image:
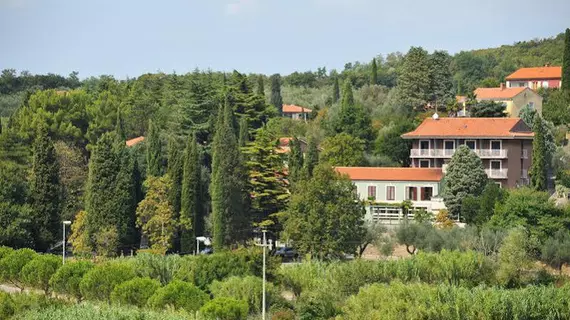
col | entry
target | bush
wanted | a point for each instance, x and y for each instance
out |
(4, 251)
(318, 304)
(67, 278)
(100, 281)
(180, 295)
(248, 289)
(284, 314)
(39, 271)
(161, 268)
(6, 306)
(11, 265)
(225, 309)
(136, 291)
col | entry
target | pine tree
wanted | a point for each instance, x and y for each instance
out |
(311, 159)
(441, 84)
(414, 79)
(229, 200)
(565, 85)
(175, 171)
(244, 102)
(336, 90)
(374, 74)
(153, 151)
(45, 190)
(260, 86)
(276, 99)
(120, 127)
(243, 138)
(538, 169)
(191, 214)
(295, 163)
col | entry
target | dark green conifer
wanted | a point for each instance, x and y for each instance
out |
(538, 169)
(276, 99)
(191, 214)
(374, 73)
(153, 151)
(565, 85)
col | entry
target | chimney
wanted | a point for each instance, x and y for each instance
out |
(502, 86)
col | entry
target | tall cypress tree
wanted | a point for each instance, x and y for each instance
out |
(191, 214)
(153, 151)
(374, 74)
(538, 169)
(175, 170)
(276, 98)
(311, 159)
(352, 118)
(295, 163)
(229, 200)
(260, 86)
(120, 126)
(46, 189)
(243, 138)
(336, 90)
(566, 62)
(125, 198)
(347, 95)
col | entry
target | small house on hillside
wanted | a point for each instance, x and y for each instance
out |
(514, 98)
(534, 78)
(296, 112)
(134, 141)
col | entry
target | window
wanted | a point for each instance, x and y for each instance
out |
(426, 193)
(371, 192)
(412, 193)
(496, 146)
(531, 105)
(545, 84)
(424, 147)
(424, 163)
(471, 144)
(449, 147)
(390, 193)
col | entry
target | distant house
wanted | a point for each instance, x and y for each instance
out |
(534, 78)
(284, 147)
(503, 144)
(385, 189)
(514, 98)
(296, 112)
(134, 141)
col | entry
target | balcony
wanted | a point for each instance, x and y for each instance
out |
(448, 153)
(497, 173)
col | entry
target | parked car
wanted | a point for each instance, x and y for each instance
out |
(287, 254)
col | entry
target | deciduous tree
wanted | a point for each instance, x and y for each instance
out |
(343, 150)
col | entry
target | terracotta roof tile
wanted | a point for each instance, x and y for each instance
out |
(536, 73)
(391, 174)
(471, 127)
(289, 108)
(134, 141)
(498, 93)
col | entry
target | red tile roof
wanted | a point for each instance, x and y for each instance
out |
(498, 93)
(134, 141)
(284, 145)
(505, 128)
(391, 174)
(536, 73)
(289, 108)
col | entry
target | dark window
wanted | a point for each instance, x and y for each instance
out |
(470, 144)
(412, 193)
(390, 193)
(427, 193)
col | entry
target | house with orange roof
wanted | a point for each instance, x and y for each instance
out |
(384, 189)
(296, 112)
(134, 141)
(534, 78)
(503, 144)
(514, 98)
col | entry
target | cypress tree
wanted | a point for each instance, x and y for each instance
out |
(336, 90)
(45, 190)
(566, 62)
(153, 151)
(374, 75)
(243, 138)
(276, 98)
(1, 126)
(538, 169)
(175, 171)
(295, 162)
(229, 209)
(312, 158)
(100, 191)
(260, 86)
(191, 214)
(347, 95)
(120, 127)
(125, 198)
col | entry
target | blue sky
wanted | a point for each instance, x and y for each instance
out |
(131, 37)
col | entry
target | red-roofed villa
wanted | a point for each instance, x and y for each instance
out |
(534, 78)
(296, 112)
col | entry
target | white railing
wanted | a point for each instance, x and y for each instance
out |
(448, 153)
(497, 173)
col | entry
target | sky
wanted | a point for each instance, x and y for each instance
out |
(127, 38)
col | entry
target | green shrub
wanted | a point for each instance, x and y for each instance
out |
(154, 266)
(6, 306)
(284, 314)
(248, 289)
(225, 309)
(180, 295)
(67, 278)
(136, 291)
(100, 281)
(11, 265)
(39, 271)
(5, 251)
(318, 304)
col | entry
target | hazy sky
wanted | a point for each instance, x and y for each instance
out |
(131, 37)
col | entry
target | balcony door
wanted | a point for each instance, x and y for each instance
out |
(448, 147)
(495, 168)
(424, 147)
(496, 146)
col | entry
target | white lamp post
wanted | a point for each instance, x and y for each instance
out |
(65, 223)
(205, 240)
(270, 246)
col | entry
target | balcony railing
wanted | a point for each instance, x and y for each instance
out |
(497, 173)
(448, 153)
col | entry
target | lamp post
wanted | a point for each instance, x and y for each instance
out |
(65, 223)
(264, 245)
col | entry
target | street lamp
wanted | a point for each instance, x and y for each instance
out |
(65, 223)
(201, 239)
(270, 246)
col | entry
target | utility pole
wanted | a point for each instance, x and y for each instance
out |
(63, 243)
(264, 245)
